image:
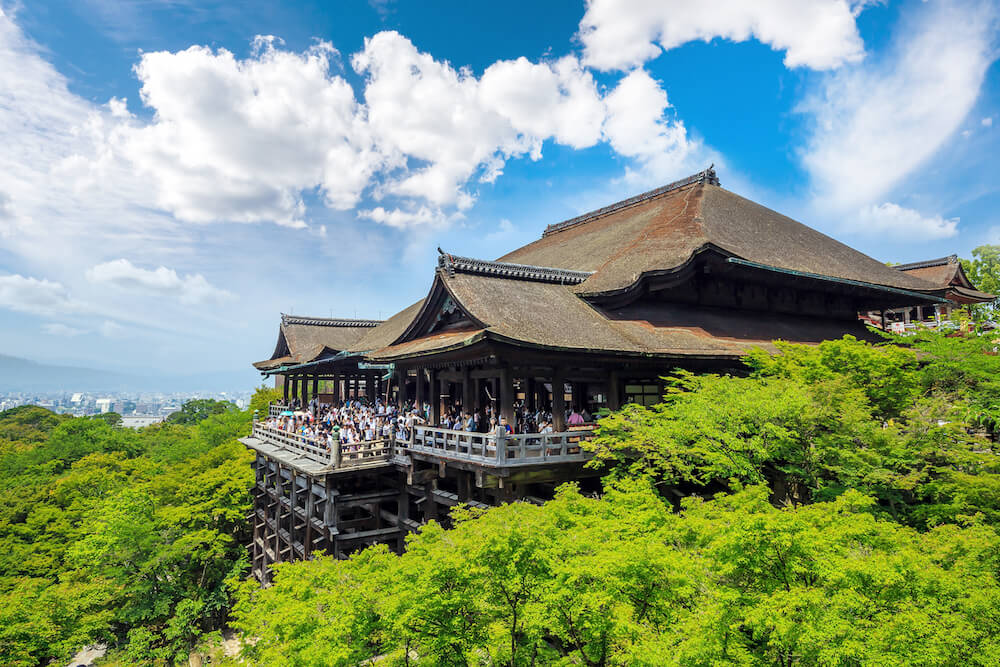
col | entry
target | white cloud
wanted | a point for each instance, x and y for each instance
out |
(31, 295)
(987, 122)
(111, 329)
(874, 125)
(189, 289)
(540, 100)
(504, 229)
(892, 220)
(820, 34)
(637, 127)
(61, 330)
(240, 140)
(402, 219)
(439, 127)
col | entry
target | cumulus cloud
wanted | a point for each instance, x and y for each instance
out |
(31, 295)
(987, 122)
(439, 127)
(61, 330)
(892, 220)
(240, 140)
(189, 289)
(637, 127)
(246, 140)
(874, 125)
(819, 34)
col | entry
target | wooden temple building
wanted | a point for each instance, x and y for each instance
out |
(952, 283)
(590, 315)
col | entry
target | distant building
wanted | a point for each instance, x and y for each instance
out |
(104, 404)
(139, 421)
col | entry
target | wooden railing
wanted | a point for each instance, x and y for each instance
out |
(339, 456)
(494, 449)
(275, 409)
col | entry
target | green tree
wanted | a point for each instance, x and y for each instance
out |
(984, 272)
(196, 410)
(624, 580)
(814, 422)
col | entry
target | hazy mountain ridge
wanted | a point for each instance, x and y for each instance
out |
(18, 374)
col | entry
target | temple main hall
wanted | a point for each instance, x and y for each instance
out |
(590, 316)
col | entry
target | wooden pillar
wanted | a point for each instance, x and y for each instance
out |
(506, 381)
(336, 388)
(315, 391)
(477, 401)
(284, 388)
(529, 394)
(305, 391)
(401, 398)
(435, 398)
(579, 396)
(421, 394)
(614, 391)
(467, 400)
(559, 399)
(906, 315)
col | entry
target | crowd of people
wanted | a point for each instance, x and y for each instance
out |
(352, 422)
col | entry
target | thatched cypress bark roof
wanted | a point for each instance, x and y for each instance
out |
(664, 228)
(303, 339)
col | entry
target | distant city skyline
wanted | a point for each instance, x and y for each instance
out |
(177, 174)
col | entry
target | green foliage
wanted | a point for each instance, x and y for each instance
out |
(625, 581)
(984, 272)
(818, 420)
(262, 398)
(112, 419)
(131, 537)
(198, 409)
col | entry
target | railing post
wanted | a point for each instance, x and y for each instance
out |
(335, 454)
(501, 440)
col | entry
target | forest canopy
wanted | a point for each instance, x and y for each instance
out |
(835, 504)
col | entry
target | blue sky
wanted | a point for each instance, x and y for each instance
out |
(177, 173)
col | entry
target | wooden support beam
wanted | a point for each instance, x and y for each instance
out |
(435, 398)
(559, 399)
(614, 391)
(420, 388)
(507, 395)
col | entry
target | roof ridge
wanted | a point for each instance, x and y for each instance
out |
(706, 176)
(927, 263)
(327, 321)
(548, 274)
